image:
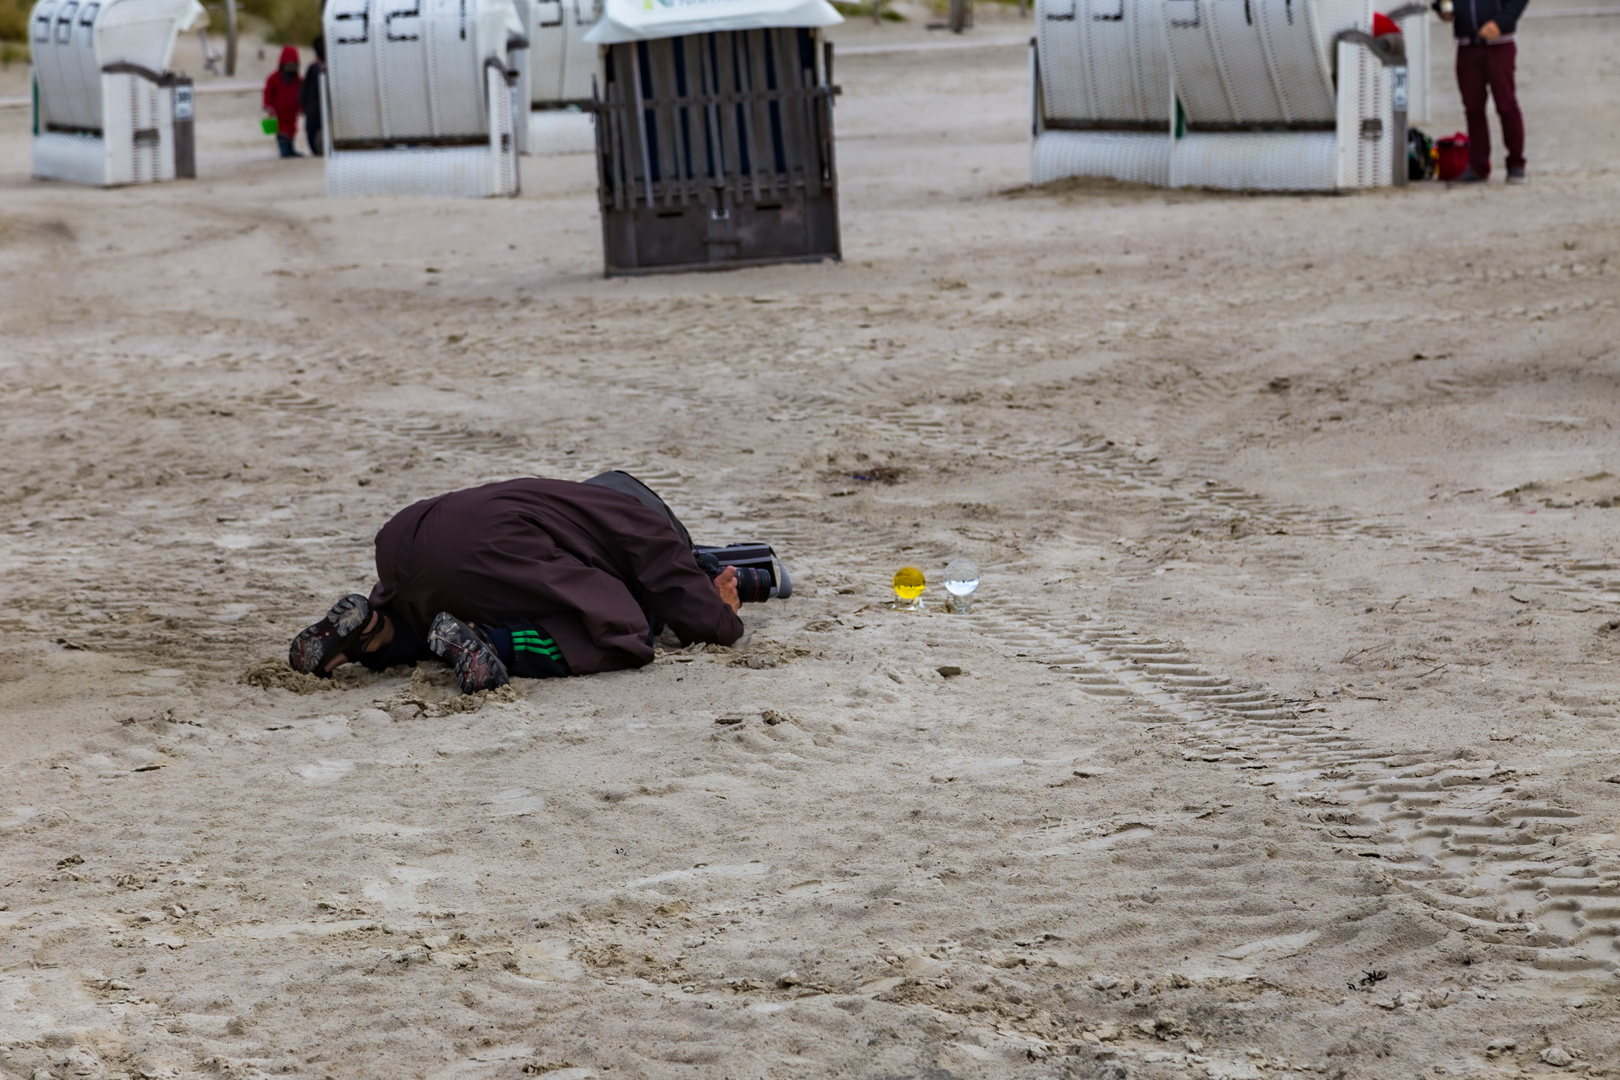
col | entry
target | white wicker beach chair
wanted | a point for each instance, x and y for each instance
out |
(1102, 91)
(562, 65)
(107, 109)
(422, 99)
(1281, 95)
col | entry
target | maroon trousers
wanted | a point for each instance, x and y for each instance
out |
(1482, 67)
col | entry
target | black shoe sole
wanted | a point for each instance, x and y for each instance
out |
(478, 666)
(337, 632)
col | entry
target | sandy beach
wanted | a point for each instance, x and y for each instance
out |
(1280, 741)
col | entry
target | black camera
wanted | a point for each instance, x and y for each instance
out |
(760, 574)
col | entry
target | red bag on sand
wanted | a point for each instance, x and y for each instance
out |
(1452, 156)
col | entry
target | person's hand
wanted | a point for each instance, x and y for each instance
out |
(726, 586)
(1490, 31)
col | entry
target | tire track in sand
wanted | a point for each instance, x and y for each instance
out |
(1486, 857)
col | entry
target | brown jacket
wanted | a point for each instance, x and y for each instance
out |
(592, 565)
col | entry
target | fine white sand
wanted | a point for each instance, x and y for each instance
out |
(1293, 665)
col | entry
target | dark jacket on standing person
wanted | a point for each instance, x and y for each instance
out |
(309, 95)
(598, 569)
(281, 93)
(1469, 15)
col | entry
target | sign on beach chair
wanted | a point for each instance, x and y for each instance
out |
(421, 97)
(1281, 95)
(107, 110)
(714, 135)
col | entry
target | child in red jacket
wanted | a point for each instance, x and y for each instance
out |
(281, 100)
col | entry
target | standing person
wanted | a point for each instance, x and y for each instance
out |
(310, 96)
(1486, 56)
(281, 100)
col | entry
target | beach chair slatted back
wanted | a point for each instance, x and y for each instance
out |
(716, 149)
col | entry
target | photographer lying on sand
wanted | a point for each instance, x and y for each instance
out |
(535, 579)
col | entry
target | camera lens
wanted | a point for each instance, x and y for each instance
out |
(753, 586)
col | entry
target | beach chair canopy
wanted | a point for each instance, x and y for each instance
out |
(646, 20)
(71, 41)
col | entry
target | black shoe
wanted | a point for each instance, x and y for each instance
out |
(1468, 176)
(1515, 176)
(478, 666)
(338, 633)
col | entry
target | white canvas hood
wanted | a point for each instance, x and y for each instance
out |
(643, 20)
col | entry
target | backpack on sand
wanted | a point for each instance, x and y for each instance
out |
(1419, 155)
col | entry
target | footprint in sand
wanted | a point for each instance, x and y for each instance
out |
(325, 772)
(698, 872)
(1243, 961)
(512, 802)
(401, 893)
(548, 961)
(329, 727)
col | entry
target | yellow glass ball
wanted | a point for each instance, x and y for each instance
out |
(909, 583)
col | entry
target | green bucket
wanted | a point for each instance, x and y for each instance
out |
(268, 125)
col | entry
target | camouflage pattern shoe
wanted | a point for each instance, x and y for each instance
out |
(478, 666)
(338, 633)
